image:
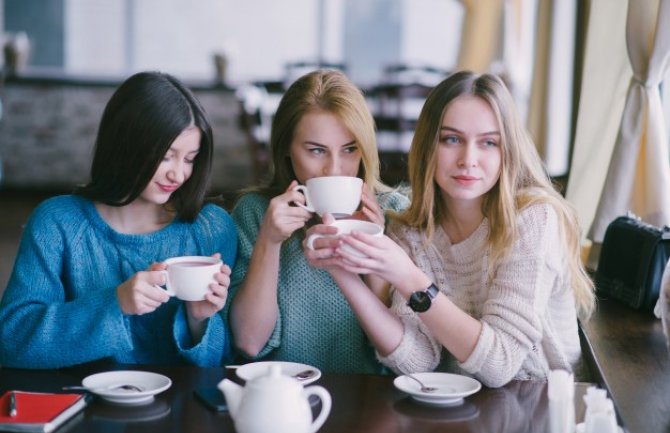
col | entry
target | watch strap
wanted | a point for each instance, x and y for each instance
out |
(421, 300)
(432, 291)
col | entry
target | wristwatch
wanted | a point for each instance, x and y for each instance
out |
(421, 300)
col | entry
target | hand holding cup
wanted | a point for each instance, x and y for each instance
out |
(188, 277)
(345, 227)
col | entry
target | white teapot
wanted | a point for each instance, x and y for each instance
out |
(274, 403)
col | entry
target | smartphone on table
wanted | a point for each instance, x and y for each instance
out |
(212, 397)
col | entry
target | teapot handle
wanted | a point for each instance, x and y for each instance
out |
(320, 392)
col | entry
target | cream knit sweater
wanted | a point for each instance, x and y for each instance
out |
(527, 312)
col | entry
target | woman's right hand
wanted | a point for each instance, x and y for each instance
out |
(282, 218)
(141, 293)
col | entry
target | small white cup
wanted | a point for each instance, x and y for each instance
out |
(345, 227)
(337, 195)
(188, 277)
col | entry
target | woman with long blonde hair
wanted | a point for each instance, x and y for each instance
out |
(484, 264)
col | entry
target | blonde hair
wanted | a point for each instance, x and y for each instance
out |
(522, 183)
(332, 92)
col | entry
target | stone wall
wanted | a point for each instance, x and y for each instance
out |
(48, 129)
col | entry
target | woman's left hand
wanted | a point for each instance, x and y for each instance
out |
(371, 210)
(214, 301)
(382, 257)
(197, 312)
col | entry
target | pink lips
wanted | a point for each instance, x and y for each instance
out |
(465, 180)
(168, 188)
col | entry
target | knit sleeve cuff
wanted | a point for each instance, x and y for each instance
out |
(417, 351)
(212, 350)
(479, 355)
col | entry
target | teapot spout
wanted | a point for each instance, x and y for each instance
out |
(233, 393)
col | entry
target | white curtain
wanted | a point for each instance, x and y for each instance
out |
(519, 17)
(638, 177)
(550, 113)
(605, 76)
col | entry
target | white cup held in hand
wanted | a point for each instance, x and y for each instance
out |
(337, 195)
(347, 226)
(188, 277)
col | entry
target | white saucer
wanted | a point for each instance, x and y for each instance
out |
(255, 369)
(580, 428)
(150, 383)
(451, 388)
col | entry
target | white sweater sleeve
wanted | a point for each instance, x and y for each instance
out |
(418, 351)
(517, 300)
(511, 315)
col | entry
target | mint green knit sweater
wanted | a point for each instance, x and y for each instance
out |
(315, 324)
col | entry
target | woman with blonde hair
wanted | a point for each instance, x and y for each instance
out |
(484, 264)
(283, 309)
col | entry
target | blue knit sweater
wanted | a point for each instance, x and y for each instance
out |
(316, 325)
(60, 306)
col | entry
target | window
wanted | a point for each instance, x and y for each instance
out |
(258, 37)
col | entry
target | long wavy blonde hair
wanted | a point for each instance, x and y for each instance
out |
(522, 183)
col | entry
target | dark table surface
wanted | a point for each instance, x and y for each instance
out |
(625, 348)
(630, 358)
(361, 403)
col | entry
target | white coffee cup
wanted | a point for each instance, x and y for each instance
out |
(337, 195)
(345, 227)
(188, 277)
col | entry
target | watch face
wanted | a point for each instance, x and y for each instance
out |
(419, 302)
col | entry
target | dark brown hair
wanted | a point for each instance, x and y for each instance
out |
(140, 122)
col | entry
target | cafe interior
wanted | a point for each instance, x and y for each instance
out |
(591, 79)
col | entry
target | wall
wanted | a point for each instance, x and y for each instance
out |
(48, 131)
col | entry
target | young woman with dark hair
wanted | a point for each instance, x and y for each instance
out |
(85, 284)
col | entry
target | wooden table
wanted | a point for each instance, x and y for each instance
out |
(629, 357)
(361, 404)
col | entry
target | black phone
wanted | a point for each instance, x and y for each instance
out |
(212, 397)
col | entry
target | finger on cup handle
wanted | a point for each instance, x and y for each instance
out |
(157, 266)
(291, 185)
(327, 219)
(222, 279)
(156, 276)
(319, 233)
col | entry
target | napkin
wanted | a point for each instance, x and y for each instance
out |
(599, 417)
(561, 391)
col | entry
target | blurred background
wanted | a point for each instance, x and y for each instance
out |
(587, 76)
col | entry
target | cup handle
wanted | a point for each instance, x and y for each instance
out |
(303, 189)
(326, 403)
(311, 239)
(168, 286)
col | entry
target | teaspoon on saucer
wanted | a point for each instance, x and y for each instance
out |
(122, 387)
(424, 388)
